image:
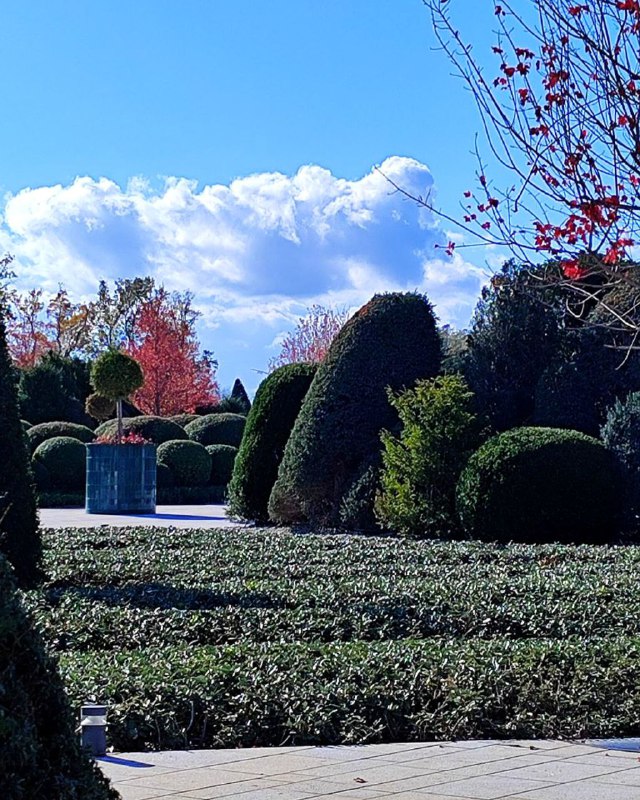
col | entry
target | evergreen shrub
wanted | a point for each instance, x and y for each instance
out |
(222, 428)
(116, 375)
(223, 457)
(41, 476)
(269, 424)
(65, 459)
(239, 394)
(38, 434)
(392, 341)
(164, 477)
(621, 434)
(540, 485)
(154, 429)
(183, 419)
(189, 462)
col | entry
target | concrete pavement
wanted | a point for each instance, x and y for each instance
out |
(182, 516)
(475, 770)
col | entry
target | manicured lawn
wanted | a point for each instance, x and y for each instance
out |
(255, 637)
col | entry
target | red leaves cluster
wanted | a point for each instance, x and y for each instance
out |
(127, 438)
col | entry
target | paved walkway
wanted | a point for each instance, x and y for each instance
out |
(195, 516)
(526, 770)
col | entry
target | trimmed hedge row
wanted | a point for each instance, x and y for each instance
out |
(37, 434)
(221, 428)
(154, 429)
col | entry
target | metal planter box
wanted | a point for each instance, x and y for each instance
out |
(121, 478)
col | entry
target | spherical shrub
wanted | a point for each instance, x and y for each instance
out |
(183, 419)
(269, 424)
(48, 430)
(223, 457)
(65, 459)
(154, 429)
(41, 476)
(99, 407)
(540, 485)
(189, 462)
(116, 375)
(164, 477)
(392, 341)
(217, 429)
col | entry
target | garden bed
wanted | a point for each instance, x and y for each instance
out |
(258, 637)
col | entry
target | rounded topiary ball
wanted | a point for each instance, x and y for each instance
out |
(183, 419)
(116, 375)
(153, 429)
(223, 457)
(189, 462)
(65, 459)
(217, 429)
(540, 485)
(49, 430)
(99, 407)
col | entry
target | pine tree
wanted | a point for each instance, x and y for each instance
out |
(239, 394)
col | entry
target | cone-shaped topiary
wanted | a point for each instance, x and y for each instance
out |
(540, 485)
(239, 394)
(392, 341)
(19, 532)
(99, 407)
(277, 404)
(40, 754)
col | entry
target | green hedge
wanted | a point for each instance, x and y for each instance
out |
(269, 424)
(183, 419)
(48, 430)
(155, 429)
(539, 485)
(189, 462)
(217, 429)
(390, 342)
(65, 459)
(223, 457)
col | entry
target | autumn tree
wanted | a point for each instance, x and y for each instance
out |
(310, 339)
(561, 114)
(177, 377)
(28, 330)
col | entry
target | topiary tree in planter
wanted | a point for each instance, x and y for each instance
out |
(116, 376)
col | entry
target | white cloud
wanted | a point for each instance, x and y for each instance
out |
(256, 253)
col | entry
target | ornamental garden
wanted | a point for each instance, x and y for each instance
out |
(441, 544)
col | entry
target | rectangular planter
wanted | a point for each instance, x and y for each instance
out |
(121, 478)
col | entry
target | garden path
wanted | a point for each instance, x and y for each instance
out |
(182, 516)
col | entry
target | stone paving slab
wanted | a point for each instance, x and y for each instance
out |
(182, 516)
(487, 770)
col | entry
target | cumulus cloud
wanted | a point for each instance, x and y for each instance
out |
(256, 253)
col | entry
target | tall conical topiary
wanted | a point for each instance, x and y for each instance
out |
(19, 531)
(40, 755)
(239, 394)
(392, 341)
(269, 424)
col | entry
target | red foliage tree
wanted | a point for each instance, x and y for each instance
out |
(177, 377)
(29, 334)
(311, 338)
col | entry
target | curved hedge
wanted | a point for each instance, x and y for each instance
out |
(217, 429)
(40, 754)
(540, 485)
(155, 429)
(48, 430)
(65, 459)
(189, 462)
(184, 419)
(223, 457)
(276, 405)
(392, 341)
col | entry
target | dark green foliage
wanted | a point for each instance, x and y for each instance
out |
(226, 405)
(275, 408)
(66, 461)
(54, 389)
(356, 511)
(540, 485)
(217, 429)
(164, 477)
(223, 457)
(48, 430)
(99, 407)
(116, 375)
(41, 476)
(515, 335)
(40, 755)
(621, 434)
(154, 429)
(440, 430)
(189, 462)
(19, 534)
(183, 419)
(239, 394)
(392, 341)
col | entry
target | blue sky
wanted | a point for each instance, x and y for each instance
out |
(227, 147)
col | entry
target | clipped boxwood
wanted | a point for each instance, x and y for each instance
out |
(184, 419)
(223, 457)
(48, 430)
(540, 485)
(217, 429)
(65, 459)
(164, 477)
(154, 429)
(392, 341)
(189, 462)
(277, 404)
(41, 476)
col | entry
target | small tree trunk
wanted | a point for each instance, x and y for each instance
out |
(120, 427)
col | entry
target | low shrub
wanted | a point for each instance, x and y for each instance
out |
(217, 429)
(189, 462)
(190, 495)
(154, 429)
(223, 457)
(65, 459)
(183, 419)
(540, 485)
(52, 499)
(164, 477)
(48, 430)
(41, 476)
